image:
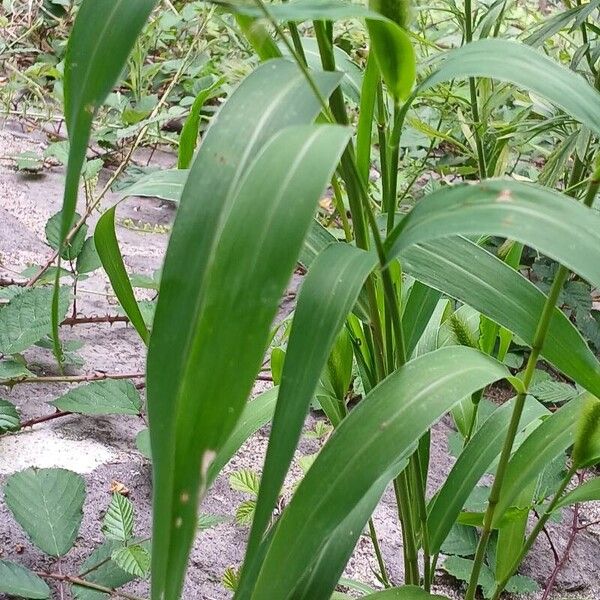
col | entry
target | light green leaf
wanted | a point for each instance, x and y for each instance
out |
(12, 369)
(72, 251)
(88, 259)
(525, 67)
(118, 520)
(142, 442)
(541, 447)
(108, 397)
(461, 568)
(133, 559)
(342, 270)
(471, 465)
(244, 513)
(27, 318)
(250, 161)
(107, 574)
(206, 521)
(109, 252)
(374, 437)
(47, 504)
(420, 305)
(166, 185)
(9, 417)
(16, 580)
(245, 480)
(586, 492)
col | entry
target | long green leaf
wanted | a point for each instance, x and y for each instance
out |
(375, 436)
(586, 492)
(102, 37)
(16, 580)
(109, 252)
(220, 287)
(525, 67)
(553, 437)
(166, 185)
(469, 273)
(471, 465)
(536, 216)
(342, 270)
(256, 413)
(420, 305)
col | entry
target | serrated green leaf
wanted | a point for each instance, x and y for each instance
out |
(28, 161)
(48, 505)
(230, 579)
(88, 259)
(244, 513)
(134, 560)
(142, 442)
(461, 541)
(9, 417)
(53, 237)
(206, 521)
(118, 520)
(107, 574)
(245, 480)
(16, 580)
(107, 397)
(12, 369)
(461, 568)
(27, 318)
(406, 592)
(552, 392)
(521, 584)
(166, 185)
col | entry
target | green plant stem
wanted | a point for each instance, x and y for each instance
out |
(411, 563)
(422, 511)
(538, 342)
(72, 378)
(394, 152)
(341, 209)
(473, 95)
(88, 585)
(537, 529)
(375, 541)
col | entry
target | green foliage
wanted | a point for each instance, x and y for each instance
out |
(118, 520)
(16, 580)
(374, 307)
(9, 417)
(108, 397)
(47, 504)
(26, 319)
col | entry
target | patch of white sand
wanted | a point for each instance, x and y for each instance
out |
(44, 448)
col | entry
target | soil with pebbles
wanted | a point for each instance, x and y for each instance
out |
(103, 450)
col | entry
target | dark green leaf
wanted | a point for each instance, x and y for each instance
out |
(9, 417)
(133, 559)
(27, 318)
(47, 504)
(72, 251)
(108, 397)
(16, 580)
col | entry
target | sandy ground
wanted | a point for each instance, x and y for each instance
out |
(103, 448)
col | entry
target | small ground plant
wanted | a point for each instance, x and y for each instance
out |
(416, 300)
